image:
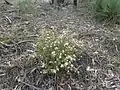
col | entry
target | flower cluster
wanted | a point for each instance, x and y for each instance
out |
(57, 51)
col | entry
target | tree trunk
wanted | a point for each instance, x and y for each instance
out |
(52, 1)
(75, 3)
(58, 2)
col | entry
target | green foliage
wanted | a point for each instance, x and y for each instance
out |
(107, 10)
(6, 39)
(58, 51)
(117, 62)
(26, 6)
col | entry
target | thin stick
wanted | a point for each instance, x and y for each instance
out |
(8, 19)
(30, 85)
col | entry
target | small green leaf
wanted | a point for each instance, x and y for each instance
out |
(5, 39)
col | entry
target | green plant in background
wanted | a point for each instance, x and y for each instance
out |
(4, 40)
(26, 6)
(107, 10)
(117, 62)
(57, 51)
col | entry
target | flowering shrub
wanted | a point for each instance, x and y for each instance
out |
(57, 51)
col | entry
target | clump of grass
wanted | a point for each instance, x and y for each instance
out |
(4, 40)
(57, 51)
(107, 10)
(116, 62)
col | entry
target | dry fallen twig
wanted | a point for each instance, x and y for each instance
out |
(9, 20)
(31, 86)
(3, 29)
(8, 3)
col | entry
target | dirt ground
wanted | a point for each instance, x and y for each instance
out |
(21, 70)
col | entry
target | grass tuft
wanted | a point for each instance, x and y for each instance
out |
(107, 10)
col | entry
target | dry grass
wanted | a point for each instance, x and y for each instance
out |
(21, 68)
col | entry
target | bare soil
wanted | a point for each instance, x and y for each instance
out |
(20, 69)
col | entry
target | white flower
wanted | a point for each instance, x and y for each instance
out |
(53, 70)
(56, 48)
(43, 65)
(48, 34)
(55, 42)
(63, 51)
(65, 64)
(70, 48)
(66, 44)
(71, 65)
(57, 68)
(73, 59)
(53, 53)
(61, 65)
(74, 55)
(48, 37)
(69, 57)
(60, 56)
(58, 42)
(44, 48)
(50, 62)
